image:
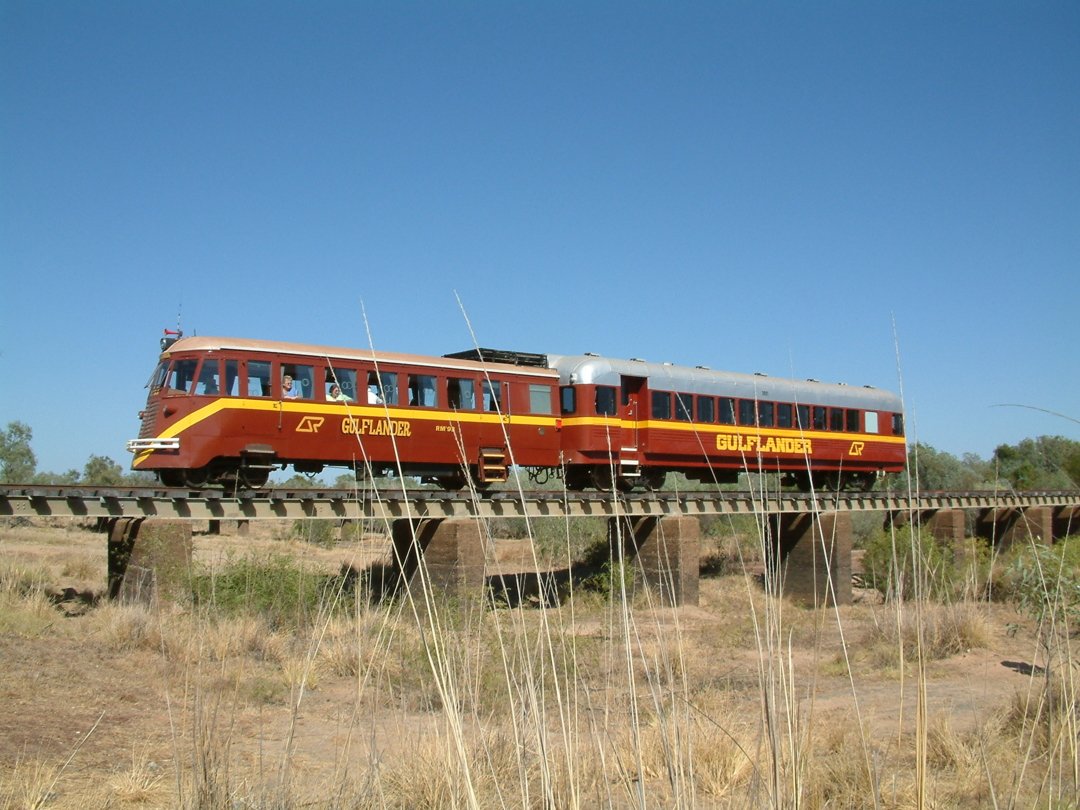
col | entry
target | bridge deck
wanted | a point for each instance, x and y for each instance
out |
(331, 504)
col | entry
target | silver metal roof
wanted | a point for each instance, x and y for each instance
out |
(595, 370)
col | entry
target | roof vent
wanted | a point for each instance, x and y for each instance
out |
(812, 379)
(591, 354)
(703, 368)
(637, 359)
(760, 374)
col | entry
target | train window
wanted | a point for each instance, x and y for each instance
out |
(605, 400)
(746, 412)
(209, 376)
(727, 411)
(422, 391)
(871, 422)
(766, 412)
(539, 398)
(303, 380)
(820, 422)
(851, 420)
(568, 399)
(803, 414)
(232, 378)
(258, 378)
(492, 392)
(382, 387)
(783, 414)
(706, 407)
(461, 394)
(898, 424)
(157, 379)
(684, 407)
(661, 405)
(345, 380)
(836, 418)
(182, 376)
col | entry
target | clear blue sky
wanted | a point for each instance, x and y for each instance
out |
(876, 193)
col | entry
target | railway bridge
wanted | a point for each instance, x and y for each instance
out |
(809, 535)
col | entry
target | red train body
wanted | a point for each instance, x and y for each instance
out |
(219, 411)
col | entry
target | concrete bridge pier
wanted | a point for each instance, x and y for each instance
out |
(1066, 521)
(1008, 525)
(949, 525)
(666, 551)
(810, 561)
(451, 551)
(148, 558)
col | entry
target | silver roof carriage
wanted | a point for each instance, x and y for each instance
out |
(595, 370)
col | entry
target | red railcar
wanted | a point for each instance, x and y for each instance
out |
(628, 422)
(229, 411)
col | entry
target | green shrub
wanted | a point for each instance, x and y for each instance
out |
(317, 532)
(1044, 581)
(907, 562)
(276, 587)
(612, 578)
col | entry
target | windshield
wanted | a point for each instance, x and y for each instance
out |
(182, 375)
(158, 377)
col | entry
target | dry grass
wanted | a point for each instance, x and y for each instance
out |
(742, 701)
(933, 632)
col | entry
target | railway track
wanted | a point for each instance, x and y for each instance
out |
(293, 503)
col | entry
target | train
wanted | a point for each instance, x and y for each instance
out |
(228, 412)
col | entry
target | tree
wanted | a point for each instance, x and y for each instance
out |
(1072, 465)
(103, 471)
(17, 460)
(933, 470)
(1047, 462)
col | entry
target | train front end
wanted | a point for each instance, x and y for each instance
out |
(160, 448)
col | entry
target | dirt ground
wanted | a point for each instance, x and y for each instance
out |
(107, 716)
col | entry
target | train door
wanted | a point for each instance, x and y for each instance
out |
(634, 395)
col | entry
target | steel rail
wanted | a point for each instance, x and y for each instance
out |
(389, 504)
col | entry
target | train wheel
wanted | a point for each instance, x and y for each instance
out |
(173, 479)
(863, 481)
(253, 479)
(828, 482)
(196, 479)
(452, 481)
(602, 479)
(653, 479)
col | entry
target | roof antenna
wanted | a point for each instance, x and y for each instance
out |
(170, 335)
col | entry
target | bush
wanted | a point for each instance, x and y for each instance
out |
(317, 532)
(1044, 581)
(278, 588)
(896, 562)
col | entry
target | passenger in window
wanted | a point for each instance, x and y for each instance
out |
(288, 389)
(373, 396)
(337, 395)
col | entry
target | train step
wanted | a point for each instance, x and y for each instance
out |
(492, 465)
